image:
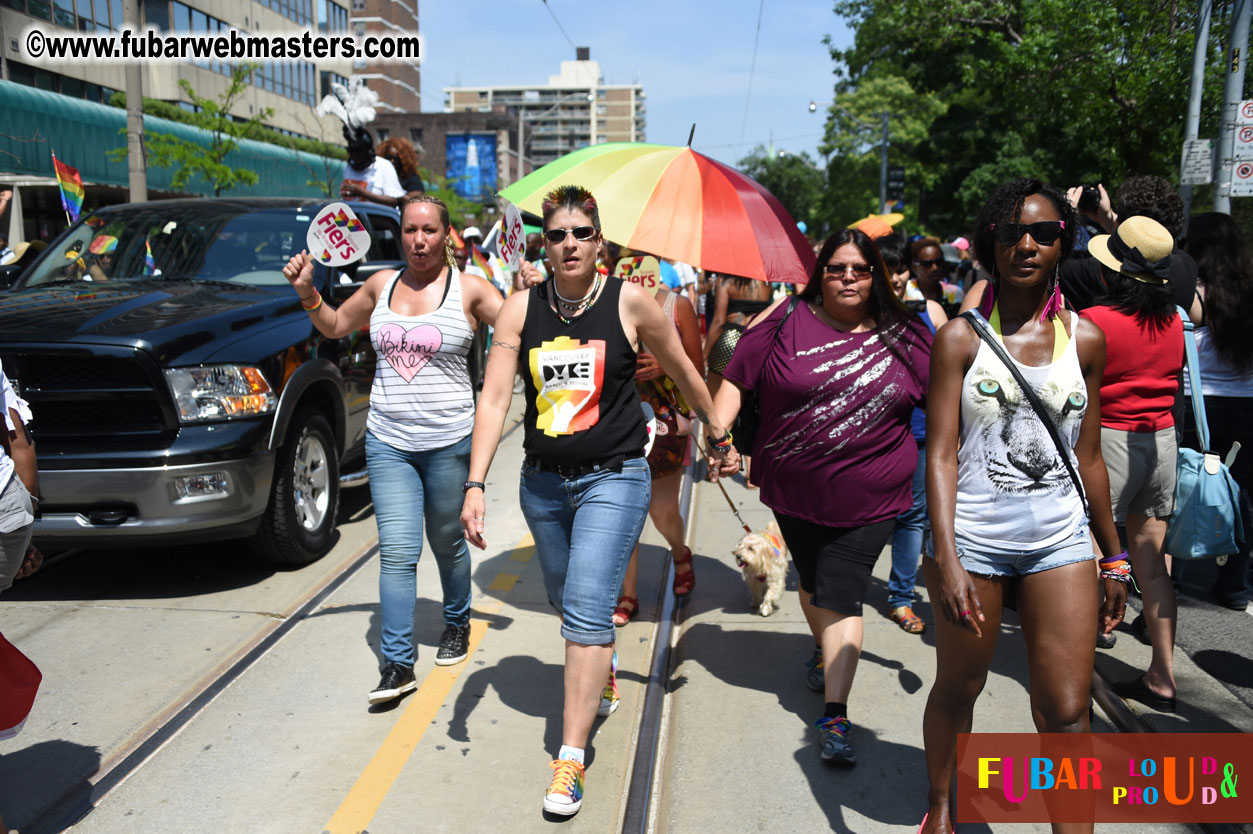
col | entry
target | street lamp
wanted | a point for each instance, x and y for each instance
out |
(524, 117)
(883, 162)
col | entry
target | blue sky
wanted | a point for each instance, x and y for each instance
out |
(692, 56)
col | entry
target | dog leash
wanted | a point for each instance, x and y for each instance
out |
(730, 503)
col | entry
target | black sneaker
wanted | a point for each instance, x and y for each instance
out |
(1106, 641)
(396, 681)
(454, 645)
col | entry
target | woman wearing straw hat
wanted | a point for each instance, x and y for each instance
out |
(1143, 358)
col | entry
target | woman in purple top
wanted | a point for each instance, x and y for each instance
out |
(837, 373)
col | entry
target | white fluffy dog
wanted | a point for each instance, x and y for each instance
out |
(762, 558)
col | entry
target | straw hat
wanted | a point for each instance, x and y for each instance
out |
(20, 250)
(1139, 248)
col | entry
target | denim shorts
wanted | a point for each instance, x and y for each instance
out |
(982, 561)
(585, 528)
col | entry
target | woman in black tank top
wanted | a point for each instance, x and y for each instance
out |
(736, 302)
(585, 486)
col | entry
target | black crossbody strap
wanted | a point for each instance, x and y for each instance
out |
(985, 333)
(791, 305)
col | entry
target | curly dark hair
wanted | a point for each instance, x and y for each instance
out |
(884, 307)
(1153, 197)
(400, 152)
(1153, 305)
(1005, 206)
(1225, 265)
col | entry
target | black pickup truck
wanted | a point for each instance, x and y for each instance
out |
(179, 391)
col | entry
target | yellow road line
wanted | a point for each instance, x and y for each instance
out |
(372, 786)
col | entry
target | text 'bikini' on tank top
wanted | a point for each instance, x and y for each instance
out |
(1013, 490)
(421, 397)
(581, 402)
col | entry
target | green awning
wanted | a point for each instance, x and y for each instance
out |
(82, 132)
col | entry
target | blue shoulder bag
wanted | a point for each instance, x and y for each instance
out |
(1206, 522)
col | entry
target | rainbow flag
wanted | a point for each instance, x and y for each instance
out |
(71, 188)
(150, 265)
(480, 260)
(457, 242)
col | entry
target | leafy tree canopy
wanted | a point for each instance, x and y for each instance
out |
(794, 179)
(979, 91)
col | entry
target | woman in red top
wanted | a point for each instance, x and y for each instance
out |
(1144, 355)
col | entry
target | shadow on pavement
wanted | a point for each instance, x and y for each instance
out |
(44, 777)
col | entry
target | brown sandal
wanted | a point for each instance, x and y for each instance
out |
(909, 622)
(622, 615)
(684, 582)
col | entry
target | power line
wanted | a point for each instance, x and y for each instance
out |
(559, 26)
(752, 68)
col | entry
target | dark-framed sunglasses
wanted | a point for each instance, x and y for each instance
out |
(931, 263)
(579, 232)
(1045, 233)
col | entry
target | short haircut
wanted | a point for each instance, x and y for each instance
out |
(571, 198)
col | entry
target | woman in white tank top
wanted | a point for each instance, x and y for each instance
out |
(421, 321)
(1003, 504)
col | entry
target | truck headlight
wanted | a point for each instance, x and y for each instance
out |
(219, 392)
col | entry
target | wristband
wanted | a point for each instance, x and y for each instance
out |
(316, 305)
(723, 442)
(1109, 560)
(469, 485)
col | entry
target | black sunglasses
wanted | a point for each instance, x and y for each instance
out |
(931, 263)
(579, 232)
(1045, 233)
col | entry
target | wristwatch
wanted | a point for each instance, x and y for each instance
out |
(468, 485)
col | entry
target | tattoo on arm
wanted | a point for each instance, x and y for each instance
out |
(704, 418)
(506, 346)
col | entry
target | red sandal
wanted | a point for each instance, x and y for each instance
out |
(622, 612)
(684, 582)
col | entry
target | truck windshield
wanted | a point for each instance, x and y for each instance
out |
(204, 242)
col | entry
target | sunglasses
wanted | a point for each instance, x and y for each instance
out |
(860, 271)
(579, 232)
(929, 264)
(1044, 233)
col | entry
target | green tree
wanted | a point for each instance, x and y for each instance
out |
(192, 160)
(1069, 91)
(792, 178)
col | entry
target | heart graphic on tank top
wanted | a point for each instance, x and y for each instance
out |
(408, 351)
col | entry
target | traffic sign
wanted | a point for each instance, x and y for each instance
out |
(1198, 161)
(1242, 179)
(1244, 113)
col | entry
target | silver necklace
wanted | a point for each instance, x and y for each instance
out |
(571, 302)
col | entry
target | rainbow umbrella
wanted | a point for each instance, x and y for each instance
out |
(679, 204)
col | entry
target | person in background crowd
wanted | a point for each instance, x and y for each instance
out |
(736, 301)
(1143, 358)
(1222, 311)
(1138, 196)
(418, 430)
(833, 454)
(585, 487)
(678, 277)
(404, 157)
(24, 254)
(1002, 500)
(5, 251)
(104, 252)
(931, 274)
(533, 254)
(366, 176)
(19, 502)
(670, 454)
(911, 525)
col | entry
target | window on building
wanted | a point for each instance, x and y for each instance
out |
(156, 13)
(383, 134)
(86, 20)
(39, 8)
(358, 5)
(20, 5)
(182, 17)
(415, 135)
(117, 17)
(63, 13)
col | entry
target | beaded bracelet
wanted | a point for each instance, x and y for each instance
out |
(309, 309)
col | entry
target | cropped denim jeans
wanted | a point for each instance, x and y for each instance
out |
(585, 528)
(410, 488)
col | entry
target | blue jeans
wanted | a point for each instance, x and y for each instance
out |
(585, 529)
(911, 526)
(409, 488)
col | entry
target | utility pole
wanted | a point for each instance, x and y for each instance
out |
(1200, 52)
(135, 115)
(883, 167)
(1233, 89)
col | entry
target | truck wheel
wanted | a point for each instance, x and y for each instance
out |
(299, 525)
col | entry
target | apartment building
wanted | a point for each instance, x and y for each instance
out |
(574, 109)
(398, 84)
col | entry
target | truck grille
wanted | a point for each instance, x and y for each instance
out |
(81, 396)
